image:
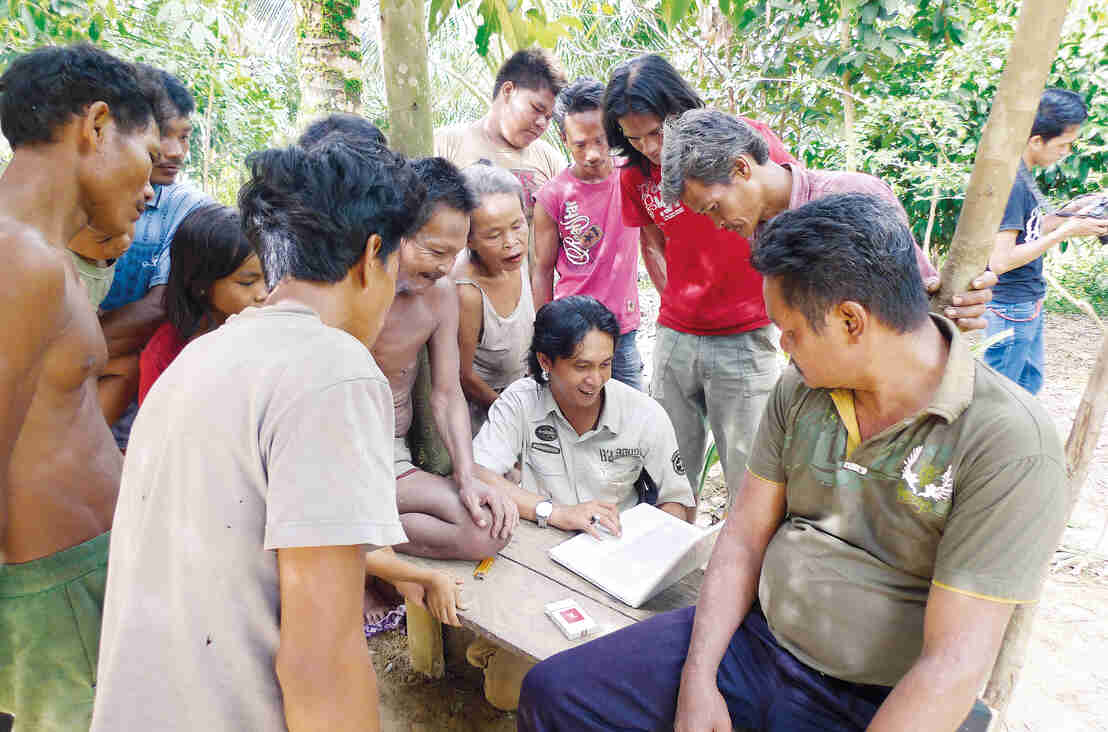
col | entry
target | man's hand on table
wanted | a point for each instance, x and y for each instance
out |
(968, 310)
(505, 514)
(440, 595)
(580, 518)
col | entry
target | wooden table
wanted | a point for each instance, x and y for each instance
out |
(507, 606)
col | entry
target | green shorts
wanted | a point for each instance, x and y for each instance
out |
(50, 612)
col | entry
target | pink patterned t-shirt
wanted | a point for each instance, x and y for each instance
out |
(598, 254)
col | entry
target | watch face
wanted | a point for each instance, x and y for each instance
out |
(544, 509)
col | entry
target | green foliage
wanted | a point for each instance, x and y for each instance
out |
(1085, 276)
(515, 23)
(353, 88)
(243, 96)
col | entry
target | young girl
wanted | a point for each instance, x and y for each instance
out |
(213, 275)
(496, 312)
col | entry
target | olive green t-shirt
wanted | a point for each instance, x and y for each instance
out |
(970, 494)
(96, 278)
(534, 165)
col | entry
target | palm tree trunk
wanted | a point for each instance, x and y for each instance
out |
(329, 48)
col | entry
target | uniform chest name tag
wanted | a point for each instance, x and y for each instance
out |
(855, 467)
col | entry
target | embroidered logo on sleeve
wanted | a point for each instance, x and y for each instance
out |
(678, 464)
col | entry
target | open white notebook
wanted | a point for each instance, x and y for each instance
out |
(655, 551)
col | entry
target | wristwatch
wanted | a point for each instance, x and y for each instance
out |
(542, 513)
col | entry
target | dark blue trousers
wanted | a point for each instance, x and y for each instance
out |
(628, 680)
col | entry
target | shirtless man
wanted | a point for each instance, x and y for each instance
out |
(463, 518)
(83, 148)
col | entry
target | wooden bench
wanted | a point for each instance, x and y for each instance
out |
(507, 606)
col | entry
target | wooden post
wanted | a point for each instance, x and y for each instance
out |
(1002, 143)
(425, 642)
(998, 154)
(1087, 424)
(1082, 442)
(407, 87)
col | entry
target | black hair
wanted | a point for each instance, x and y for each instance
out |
(179, 94)
(1058, 109)
(644, 85)
(151, 82)
(531, 68)
(561, 325)
(208, 245)
(44, 89)
(583, 95)
(445, 185)
(356, 130)
(844, 247)
(309, 213)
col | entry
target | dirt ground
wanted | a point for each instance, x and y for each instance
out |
(1064, 685)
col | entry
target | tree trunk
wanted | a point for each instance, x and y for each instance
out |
(1082, 442)
(931, 217)
(1002, 143)
(329, 49)
(1087, 424)
(998, 153)
(407, 87)
(848, 100)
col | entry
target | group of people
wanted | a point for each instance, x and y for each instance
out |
(892, 498)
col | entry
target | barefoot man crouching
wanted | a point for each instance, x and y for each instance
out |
(84, 139)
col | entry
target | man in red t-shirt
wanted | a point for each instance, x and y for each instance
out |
(715, 357)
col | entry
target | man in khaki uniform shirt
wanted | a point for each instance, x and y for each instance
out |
(510, 135)
(900, 500)
(632, 434)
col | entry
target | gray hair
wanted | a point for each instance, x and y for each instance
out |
(485, 179)
(703, 144)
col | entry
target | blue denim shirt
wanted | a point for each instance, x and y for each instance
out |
(145, 264)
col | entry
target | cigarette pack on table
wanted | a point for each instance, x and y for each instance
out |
(571, 618)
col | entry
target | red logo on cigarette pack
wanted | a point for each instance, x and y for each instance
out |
(572, 615)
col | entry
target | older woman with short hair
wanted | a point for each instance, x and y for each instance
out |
(496, 311)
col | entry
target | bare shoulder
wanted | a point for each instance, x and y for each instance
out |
(443, 297)
(34, 273)
(469, 298)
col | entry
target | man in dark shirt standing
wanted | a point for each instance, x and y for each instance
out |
(1027, 232)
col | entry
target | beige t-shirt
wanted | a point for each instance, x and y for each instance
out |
(273, 431)
(970, 495)
(534, 165)
(96, 278)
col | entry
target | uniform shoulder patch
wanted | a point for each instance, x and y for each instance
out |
(678, 464)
